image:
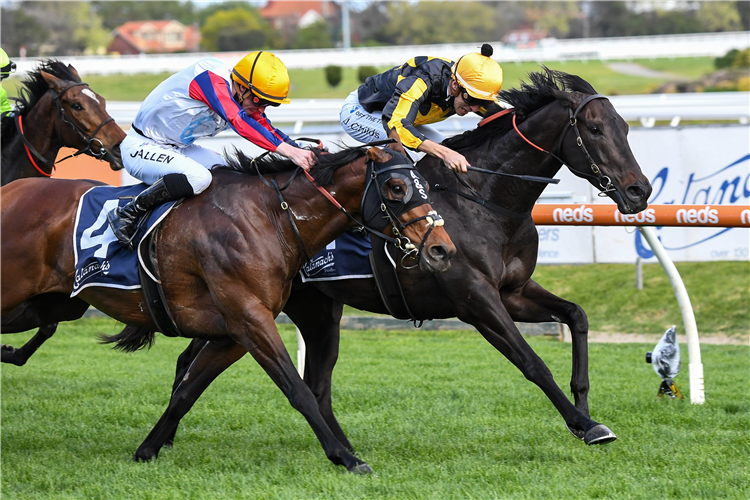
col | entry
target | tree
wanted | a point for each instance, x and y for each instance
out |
(69, 28)
(720, 16)
(238, 29)
(315, 36)
(89, 34)
(117, 13)
(437, 22)
(21, 29)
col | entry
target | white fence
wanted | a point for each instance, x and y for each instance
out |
(645, 47)
(321, 116)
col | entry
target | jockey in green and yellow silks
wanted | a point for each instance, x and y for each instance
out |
(6, 68)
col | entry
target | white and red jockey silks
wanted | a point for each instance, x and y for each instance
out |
(197, 102)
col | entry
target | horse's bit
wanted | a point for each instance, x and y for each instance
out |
(62, 116)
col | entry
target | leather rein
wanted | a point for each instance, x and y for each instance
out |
(62, 116)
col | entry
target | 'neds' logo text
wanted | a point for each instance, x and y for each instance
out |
(706, 215)
(580, 214)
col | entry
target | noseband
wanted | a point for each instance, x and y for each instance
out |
(62, 116)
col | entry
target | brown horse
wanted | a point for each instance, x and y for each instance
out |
(56, 109)
(557, 116)
(227, 257)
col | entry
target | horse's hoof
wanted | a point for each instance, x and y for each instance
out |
(599, 434)
(142, 457)
(576, 433)
(361, 469)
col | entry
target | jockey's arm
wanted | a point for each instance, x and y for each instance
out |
(453, 160)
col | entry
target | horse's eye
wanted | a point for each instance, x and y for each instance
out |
(76, 106)
(595, 130)
(398, 189)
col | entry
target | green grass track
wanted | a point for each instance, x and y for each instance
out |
(438, 415)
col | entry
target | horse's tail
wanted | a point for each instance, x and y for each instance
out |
(130, 339)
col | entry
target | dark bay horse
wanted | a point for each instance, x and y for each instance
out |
(55, 109)
(558, 117)
(227, 257)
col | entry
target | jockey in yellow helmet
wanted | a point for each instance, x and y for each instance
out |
(6, 68)
(401, 102)
(201, 101)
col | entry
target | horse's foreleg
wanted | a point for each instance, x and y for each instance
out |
(211, 360)
(257, 331)
(18, 357)
(481, 306)
(318, 318)
(533, 304)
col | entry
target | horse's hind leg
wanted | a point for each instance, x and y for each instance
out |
(318, 318)
(184, 360)
(481, 305)
(43, 311)
(256, 329)
(210, 361)
(18, 357)
(533, 304)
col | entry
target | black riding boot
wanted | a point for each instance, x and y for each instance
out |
(123, 219)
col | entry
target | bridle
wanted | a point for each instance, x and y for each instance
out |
(388, 209)
(62, 116)
(391, 209)
(604, 182)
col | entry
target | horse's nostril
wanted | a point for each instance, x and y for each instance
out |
(635, 193)
(439, 252)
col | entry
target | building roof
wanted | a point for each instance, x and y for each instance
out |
(297, 9)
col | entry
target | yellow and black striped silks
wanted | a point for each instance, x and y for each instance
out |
(410, 95)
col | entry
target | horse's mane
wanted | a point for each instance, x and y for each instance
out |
(34, 86)
(271, 164)
(532, 96)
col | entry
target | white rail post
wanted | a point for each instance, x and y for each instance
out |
(695, 366)
(301, 351)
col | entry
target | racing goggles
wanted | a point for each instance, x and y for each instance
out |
(473, 101)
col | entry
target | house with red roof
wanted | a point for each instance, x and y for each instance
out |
(286, 17)
(154, 37)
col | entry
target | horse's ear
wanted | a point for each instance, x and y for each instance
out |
(54, 82)
(567, 99)
(378, 155)
(75, 72)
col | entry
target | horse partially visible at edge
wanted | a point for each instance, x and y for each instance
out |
(55, 109)
(555, 119)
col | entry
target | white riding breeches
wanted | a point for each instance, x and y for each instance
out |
(149, 161)
(366, 126)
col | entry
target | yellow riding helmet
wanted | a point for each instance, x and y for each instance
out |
(6, 65)
(479, 75)
(265, 75)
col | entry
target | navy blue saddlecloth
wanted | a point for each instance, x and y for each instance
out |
(101, 260)
(344, 258)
